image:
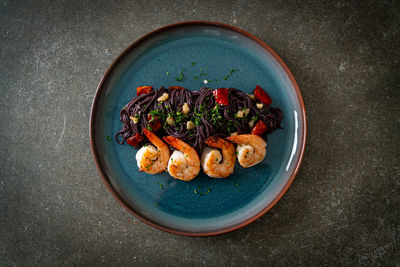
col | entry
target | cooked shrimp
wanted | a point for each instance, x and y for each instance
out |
(153, 159)
(251, 149)
(214, 164)
(184, 163)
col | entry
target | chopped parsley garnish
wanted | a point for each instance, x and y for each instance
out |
(201, 193)
(197, 117)
(156, 204)
(232, 71)
(108, 138)
(180, 76)
(226, 77)
(178, 116)
(167, 73)
(156, 113)
(193, 63)
(215, 115)
(161, 186)
(229, 126)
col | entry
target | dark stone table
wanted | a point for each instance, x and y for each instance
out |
(343, 207)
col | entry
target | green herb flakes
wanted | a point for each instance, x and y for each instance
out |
(180, 76)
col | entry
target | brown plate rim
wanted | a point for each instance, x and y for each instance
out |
(132, 46)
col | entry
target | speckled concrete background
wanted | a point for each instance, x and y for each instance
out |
(343, 207)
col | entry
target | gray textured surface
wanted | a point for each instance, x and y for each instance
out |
(343, 207)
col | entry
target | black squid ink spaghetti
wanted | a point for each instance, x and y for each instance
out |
(194, 116)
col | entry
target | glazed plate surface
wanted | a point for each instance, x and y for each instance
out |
(226, 57)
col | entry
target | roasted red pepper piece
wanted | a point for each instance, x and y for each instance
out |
(143, 90)
(175, 88)
(261, 95)
(135, 140)
(154, 123)
(221, 96)
(259, 128)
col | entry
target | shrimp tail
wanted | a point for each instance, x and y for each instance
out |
(215, 141)
(237, 139)
(182, 146)
(153, 138)
(172, 141)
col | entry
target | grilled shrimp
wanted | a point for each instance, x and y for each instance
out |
(251, 149)
(214, 164)
(184, 163)
(153, 159)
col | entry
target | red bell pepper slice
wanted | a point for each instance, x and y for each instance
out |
(154, 123)
(135, 140)
(221, 96)
(259, 128)
(141, 90)
(261, 95)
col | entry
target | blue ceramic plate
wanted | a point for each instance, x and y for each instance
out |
(203, 206)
